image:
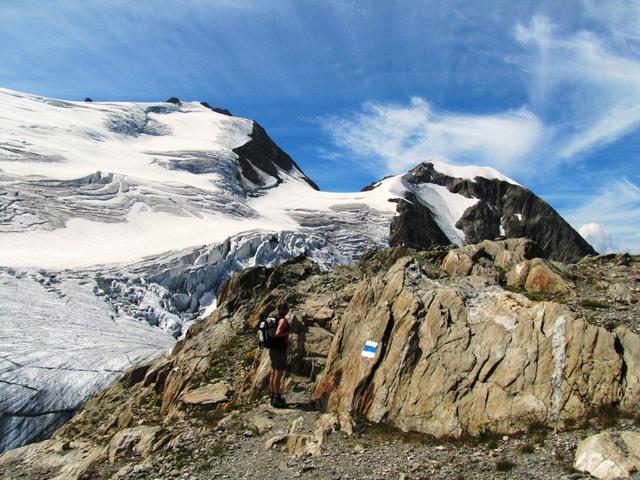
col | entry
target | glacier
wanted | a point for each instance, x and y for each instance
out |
(119, 222)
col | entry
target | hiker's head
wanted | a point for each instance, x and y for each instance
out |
(282, 309)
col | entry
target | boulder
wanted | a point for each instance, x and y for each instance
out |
(346, 423)
(629, 345)
(141, 440)
(208, 394)
(325, 425)
(69, 463)
(609, 455)
(457, 263)
(298, 444)
(268, 445)
(538, 275)
(317, 341)
(511, 260)
(259, 424)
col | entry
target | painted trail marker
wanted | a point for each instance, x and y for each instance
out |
(370, 348)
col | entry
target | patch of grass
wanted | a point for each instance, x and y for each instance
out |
(488, 436)
(512, 289)
(594, 304)
(219, 449)
(154, 401)
(248, 358)
(209, 415)
(504, 465)
(545, 297)
(527, 449)
(538, 428)
(385, 431)
(607, 416)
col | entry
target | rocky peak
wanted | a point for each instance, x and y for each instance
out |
(501, 208)
(262, 156)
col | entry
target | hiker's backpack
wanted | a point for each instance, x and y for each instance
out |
(267, 333)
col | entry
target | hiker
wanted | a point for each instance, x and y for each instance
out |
(278, 355)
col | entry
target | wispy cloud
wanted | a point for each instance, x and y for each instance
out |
(392, 138)
(581, 96)
(597, 90)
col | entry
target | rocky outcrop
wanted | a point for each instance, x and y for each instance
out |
(501, 204)
(414, 225)
(260, 157)
(514, 262)
(222, 111)
(457, 358)
(609, 455)
(208, 394)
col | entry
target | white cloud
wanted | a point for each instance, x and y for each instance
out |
(616, 210)
(395, 138)
(584, 85)
(598, 91)
(597, 237)
(620, 17)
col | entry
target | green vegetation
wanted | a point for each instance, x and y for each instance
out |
(248, 358)
(527, 448)
(545, 297)
(219, 449)
(504, 465)
(606, 416)
(537, 296)
(538, 428)
(594, 304)
(385, 432)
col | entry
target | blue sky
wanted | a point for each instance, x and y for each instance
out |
(547, 92)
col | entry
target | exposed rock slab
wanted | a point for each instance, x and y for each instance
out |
(206, 395)
(452, 361)
(609, 455)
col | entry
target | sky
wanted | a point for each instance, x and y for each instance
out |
(546, 92)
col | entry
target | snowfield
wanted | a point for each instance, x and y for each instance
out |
(119, 222)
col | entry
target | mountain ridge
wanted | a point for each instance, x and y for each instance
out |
(143, 211)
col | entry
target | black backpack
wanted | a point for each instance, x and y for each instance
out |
(267, 333)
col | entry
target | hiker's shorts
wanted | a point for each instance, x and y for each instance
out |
(278, 356)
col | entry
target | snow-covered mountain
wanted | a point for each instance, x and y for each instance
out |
(118, 218)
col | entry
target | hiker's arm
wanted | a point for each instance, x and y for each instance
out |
(283, 328)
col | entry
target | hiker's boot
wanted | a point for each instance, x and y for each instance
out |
(279, 402)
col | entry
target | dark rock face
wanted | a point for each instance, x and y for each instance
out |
(373, 185)
(222, 111)
(414, 226)
(174, 100)
(517, 209)
(261, 153)
(88, 99)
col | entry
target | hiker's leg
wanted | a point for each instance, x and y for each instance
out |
(277, 379)
(271, 378)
